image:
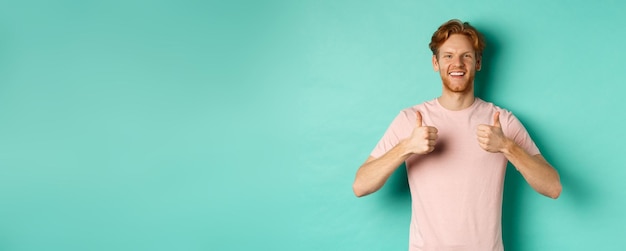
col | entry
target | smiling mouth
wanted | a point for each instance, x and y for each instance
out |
(457, 73)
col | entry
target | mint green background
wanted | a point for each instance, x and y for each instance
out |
(239, 125)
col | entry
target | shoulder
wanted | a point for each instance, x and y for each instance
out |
(425, 107)
(408, 115)
(511, 125)
(489, 106)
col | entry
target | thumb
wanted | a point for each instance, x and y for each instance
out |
(496, 120)
(419, 119)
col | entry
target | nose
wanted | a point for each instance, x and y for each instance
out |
(459, 62)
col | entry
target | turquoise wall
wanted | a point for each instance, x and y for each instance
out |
(238, 125)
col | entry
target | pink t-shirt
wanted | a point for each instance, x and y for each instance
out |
(456, 190)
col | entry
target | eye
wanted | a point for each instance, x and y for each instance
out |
(468, 55)
(447, 56)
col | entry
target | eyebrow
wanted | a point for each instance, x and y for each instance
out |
(452, 52)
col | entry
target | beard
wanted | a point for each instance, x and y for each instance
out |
(458, 86)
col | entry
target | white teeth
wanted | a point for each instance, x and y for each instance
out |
(457, 73)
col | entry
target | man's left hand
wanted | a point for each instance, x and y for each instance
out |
(491, 138)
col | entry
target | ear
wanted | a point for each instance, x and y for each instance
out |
(479, 61)
(435, 63)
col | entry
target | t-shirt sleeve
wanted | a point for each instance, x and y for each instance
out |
(518, 133)
(397, 131)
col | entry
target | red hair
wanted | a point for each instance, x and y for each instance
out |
(455, 26)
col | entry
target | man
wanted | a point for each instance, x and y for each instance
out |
(456, 149)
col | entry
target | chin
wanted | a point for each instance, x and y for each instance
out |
(457, 88)
(463, 87)
(464, 90)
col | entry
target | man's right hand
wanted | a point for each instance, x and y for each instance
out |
(373, 174)
(422, 139)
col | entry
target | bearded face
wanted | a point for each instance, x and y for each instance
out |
(457, 64)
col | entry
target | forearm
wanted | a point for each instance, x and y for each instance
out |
(536, 170)
(373, 174)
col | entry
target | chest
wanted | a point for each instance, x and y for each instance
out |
(457, 149)
(458, 133)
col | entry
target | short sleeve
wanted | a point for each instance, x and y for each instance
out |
(399, 129)
(516, 131)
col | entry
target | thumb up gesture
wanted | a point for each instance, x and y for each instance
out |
(423, 138)
(490, 137)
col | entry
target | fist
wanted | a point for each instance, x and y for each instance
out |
(490, 137)
(423, 138)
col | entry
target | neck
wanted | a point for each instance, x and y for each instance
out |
(456, 101)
